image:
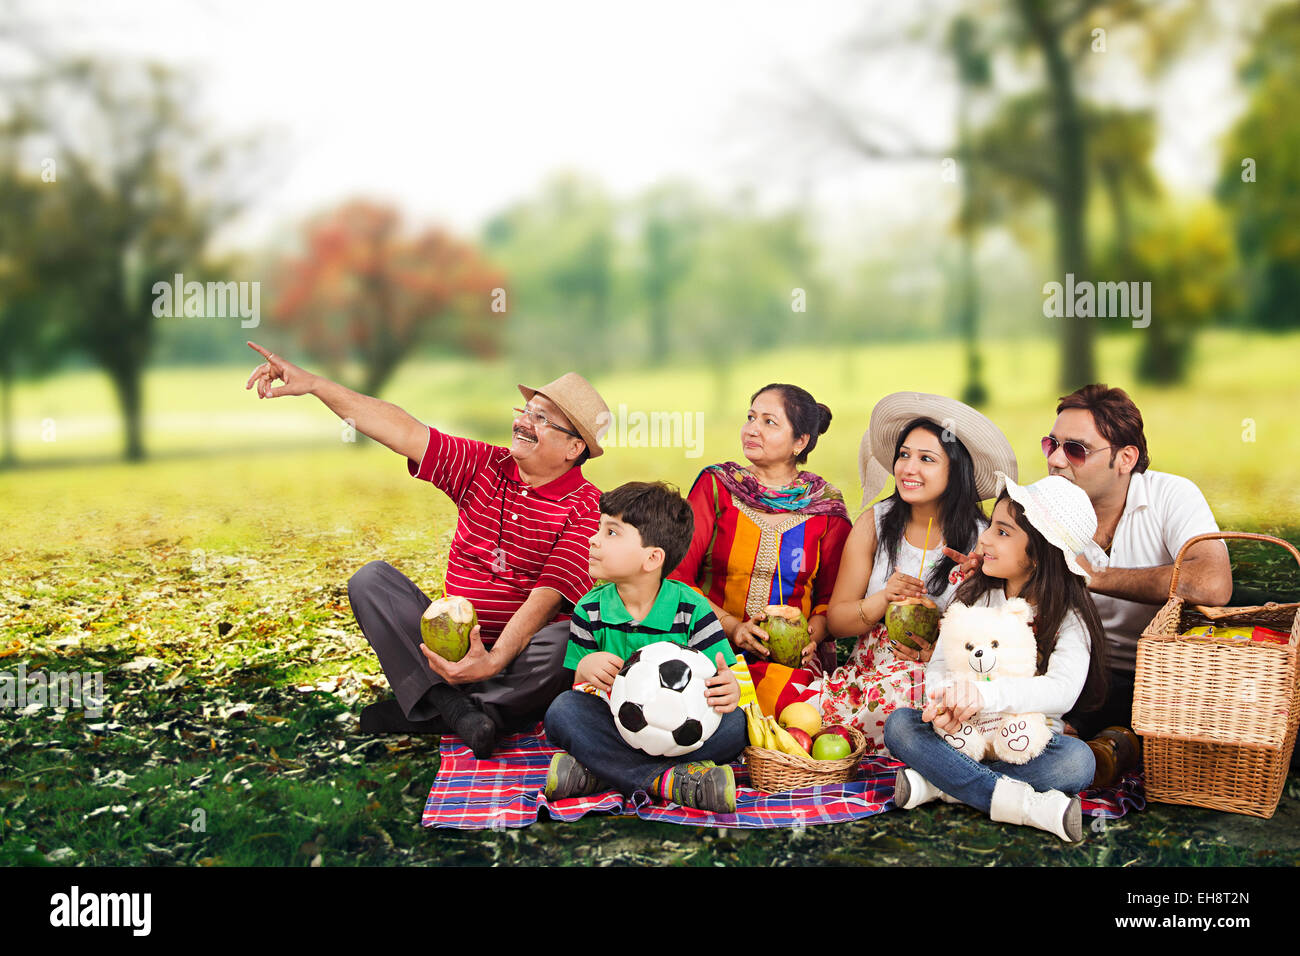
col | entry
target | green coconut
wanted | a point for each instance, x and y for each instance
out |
(913, 618)
(787, 634)
(446, 626)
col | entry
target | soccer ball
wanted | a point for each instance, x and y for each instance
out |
(658, 700)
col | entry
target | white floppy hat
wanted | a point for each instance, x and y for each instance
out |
(1063, 514)
(989, 449)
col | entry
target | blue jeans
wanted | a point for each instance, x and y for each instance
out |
(581, 724)
(1066, 765)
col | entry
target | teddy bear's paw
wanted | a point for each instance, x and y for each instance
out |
(960, 740)
(1021, 738)
(967, 740)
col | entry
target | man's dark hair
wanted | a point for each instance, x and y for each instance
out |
(659, 512)
(1116, 416)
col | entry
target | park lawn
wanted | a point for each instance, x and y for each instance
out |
(1230, 428)
(209, 587)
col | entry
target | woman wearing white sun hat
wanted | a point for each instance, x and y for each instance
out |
(1030, 550)
(944, 457)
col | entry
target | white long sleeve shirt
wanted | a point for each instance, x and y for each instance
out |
(1052, 694)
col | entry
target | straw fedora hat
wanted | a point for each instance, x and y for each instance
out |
(989, 449)
(581, 404)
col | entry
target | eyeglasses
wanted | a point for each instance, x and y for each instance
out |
(541, 421)
(1076, 452)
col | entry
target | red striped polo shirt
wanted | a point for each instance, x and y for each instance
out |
(510, 537)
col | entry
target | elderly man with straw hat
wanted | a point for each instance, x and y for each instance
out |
(525, 514)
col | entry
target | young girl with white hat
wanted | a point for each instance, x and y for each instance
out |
(1030, 550)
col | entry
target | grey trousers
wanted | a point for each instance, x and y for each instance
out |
(388, 606)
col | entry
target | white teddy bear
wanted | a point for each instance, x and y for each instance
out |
(989, 643)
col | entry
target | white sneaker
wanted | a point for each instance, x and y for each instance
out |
(912, 790)
(1015, 801)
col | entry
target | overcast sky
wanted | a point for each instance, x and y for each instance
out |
(455, 110)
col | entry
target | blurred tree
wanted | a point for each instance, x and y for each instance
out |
(1185, 250)
(974, 72)
(28, 342)
(136, 189)
(671, 225)
(1121, 144)
(561, 251)
(1260, 181)
(669, 274)
(362, 289)
(1058, 39)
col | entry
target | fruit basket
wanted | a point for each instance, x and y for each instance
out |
(773, 771)
(1218, 716)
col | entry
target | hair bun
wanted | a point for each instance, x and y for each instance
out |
(826, 419)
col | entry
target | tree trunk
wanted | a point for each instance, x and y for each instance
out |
(9, 456)
(127, 384)
(973, 392)
(1078, 365)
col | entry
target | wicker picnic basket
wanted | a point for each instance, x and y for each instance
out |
(773, 771)
(1218, 715)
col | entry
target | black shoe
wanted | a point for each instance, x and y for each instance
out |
(469, 723)
(386, 717)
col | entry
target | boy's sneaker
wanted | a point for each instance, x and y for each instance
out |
(568, 778)
(704, 786)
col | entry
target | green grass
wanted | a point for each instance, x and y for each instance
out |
(1238, 382)
(225, 560)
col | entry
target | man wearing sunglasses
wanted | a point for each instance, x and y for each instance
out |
(519, 554)
(1143, 518)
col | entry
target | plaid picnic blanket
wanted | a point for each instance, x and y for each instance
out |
(505, 793)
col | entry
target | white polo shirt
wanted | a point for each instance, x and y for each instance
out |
(1161, 513)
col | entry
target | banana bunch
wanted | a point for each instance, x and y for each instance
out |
(767, 734)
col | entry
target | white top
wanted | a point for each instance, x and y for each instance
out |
(909, 559)
(1161, 513)
(1052, 694)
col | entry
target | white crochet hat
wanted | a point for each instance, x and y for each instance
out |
(1063, 514)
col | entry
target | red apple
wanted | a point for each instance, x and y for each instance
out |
(801, 736)
(840, 731)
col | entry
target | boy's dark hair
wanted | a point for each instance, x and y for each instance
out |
(1055, 591)
(659, 512)
(1116, 416)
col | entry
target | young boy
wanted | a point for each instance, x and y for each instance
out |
(645, 529)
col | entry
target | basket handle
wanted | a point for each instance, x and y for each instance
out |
(1224, 535)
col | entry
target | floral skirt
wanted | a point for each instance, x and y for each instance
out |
(866, 690)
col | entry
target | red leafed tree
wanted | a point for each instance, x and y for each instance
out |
(365, 290)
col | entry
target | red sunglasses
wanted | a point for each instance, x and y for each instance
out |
(1075, 451)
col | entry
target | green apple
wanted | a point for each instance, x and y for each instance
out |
(830, 747)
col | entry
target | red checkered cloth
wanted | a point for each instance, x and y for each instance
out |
(505, 793)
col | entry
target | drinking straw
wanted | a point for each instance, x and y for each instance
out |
(925, 548)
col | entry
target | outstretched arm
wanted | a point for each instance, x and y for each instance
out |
(373, 417)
